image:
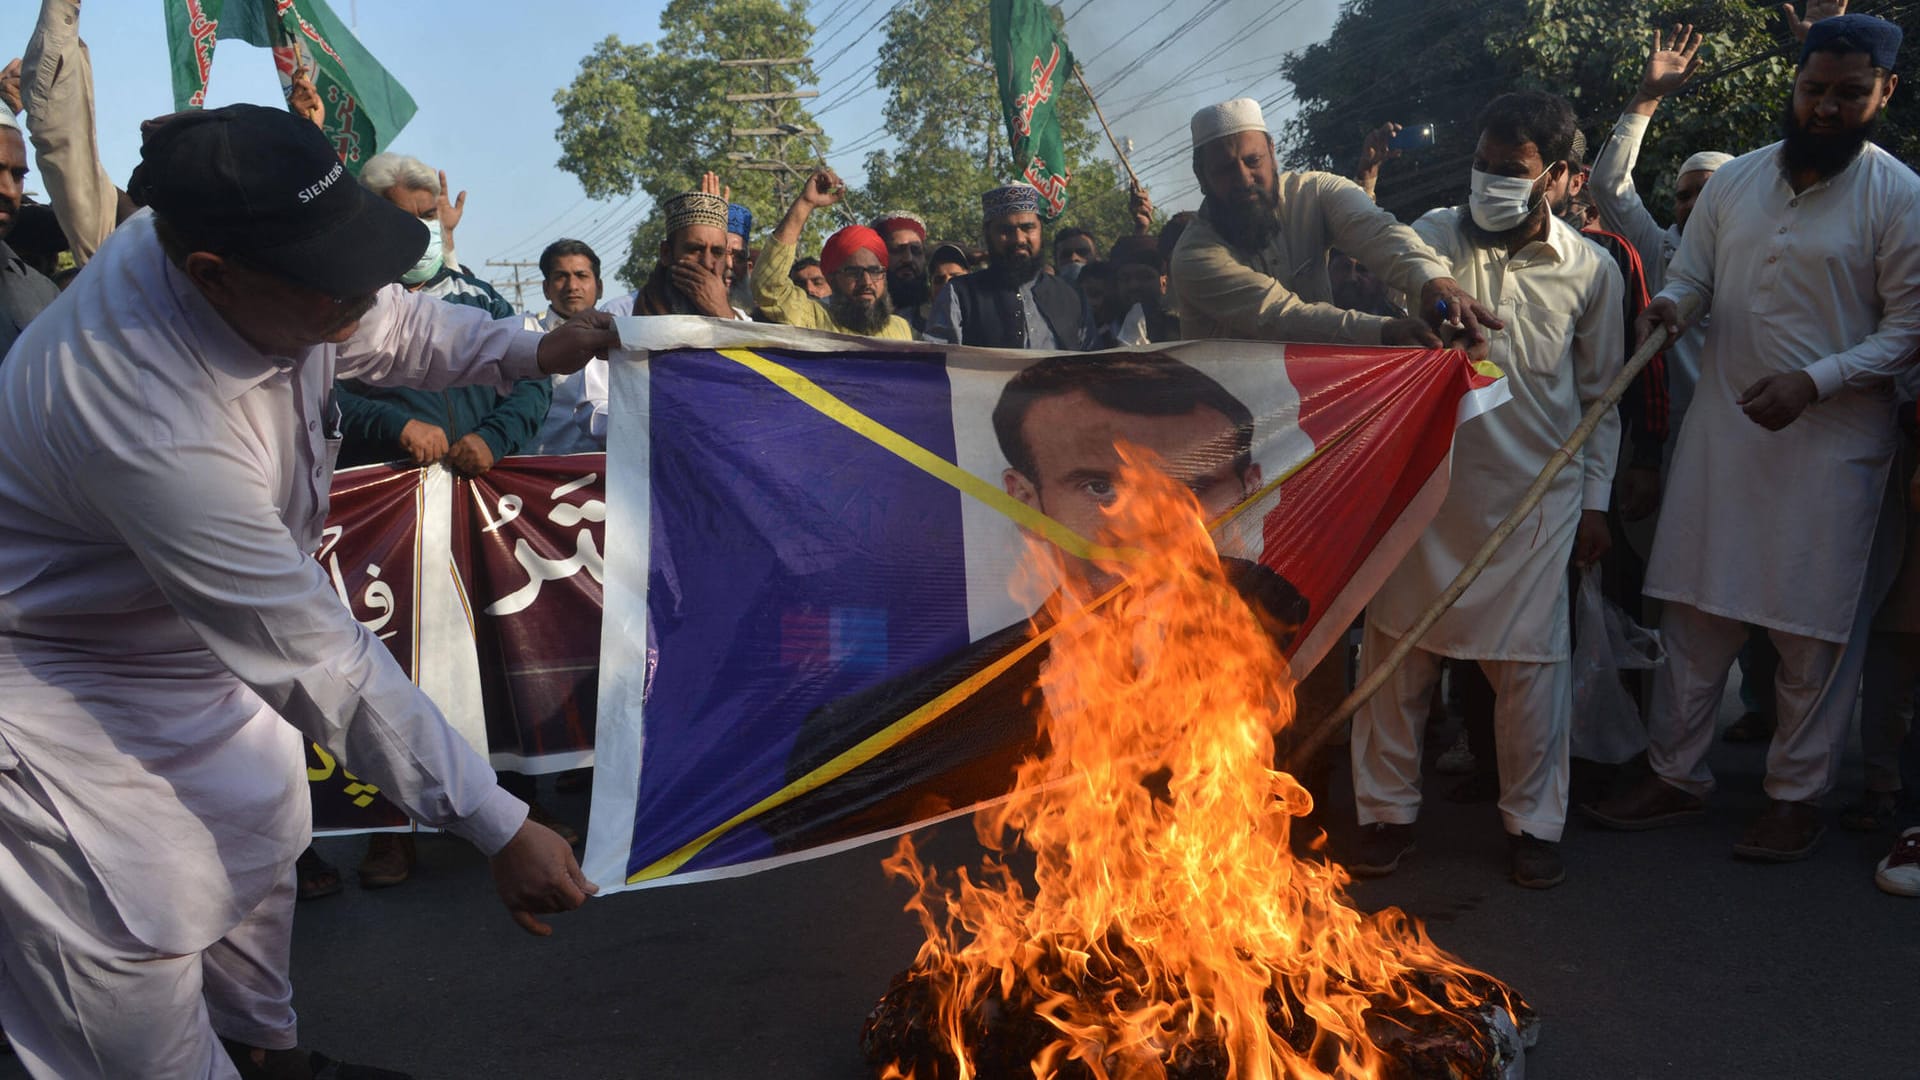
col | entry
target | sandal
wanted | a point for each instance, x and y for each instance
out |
(317, 877)
(1874, 812)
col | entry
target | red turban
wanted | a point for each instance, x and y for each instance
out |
(888, 224)
(847, 241)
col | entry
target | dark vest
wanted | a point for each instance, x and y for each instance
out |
(992, 316)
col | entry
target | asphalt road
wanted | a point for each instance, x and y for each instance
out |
(1660, 957)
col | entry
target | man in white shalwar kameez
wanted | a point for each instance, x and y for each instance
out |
(167, 642)
(1809, 251)
(1559, 296)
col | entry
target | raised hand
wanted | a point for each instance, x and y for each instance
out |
(1140, 207)
(1816, 10)
(1376, 150)
(10, 86)
(303, 98)
(1674, 60)
(450, 211)
(824, 188)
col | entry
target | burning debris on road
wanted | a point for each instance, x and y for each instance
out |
(1170, 932)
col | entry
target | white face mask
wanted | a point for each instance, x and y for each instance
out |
(430, 259)
(1499, 203)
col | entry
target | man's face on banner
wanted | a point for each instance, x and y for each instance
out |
(1073, 443)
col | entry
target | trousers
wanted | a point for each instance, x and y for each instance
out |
(1532, 721)
(82, 998)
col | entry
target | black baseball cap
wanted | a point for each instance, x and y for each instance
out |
(265, 186)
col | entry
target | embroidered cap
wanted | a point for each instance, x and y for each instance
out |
(1012, 199)
(695, 208)
(1227, 118)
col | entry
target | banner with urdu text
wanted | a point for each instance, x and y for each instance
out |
(487, 591)
(814, 630)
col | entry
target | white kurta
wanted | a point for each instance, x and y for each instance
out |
(576, 422)
(1622, 211)
(1774, 527)
(166, 639)
(1562, 346)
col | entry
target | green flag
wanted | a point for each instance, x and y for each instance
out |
(1031, 62)
(366, 107)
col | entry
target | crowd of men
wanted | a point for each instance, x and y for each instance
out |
(184, 357)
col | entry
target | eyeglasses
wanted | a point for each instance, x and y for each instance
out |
(855, 273)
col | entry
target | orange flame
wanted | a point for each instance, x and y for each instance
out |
(1169, 920)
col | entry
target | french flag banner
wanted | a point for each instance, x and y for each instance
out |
(818, 629)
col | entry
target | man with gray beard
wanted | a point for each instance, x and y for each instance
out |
(854, 260)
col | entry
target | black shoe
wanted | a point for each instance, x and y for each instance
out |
(1784, 832)
(1535, 862)
(1382, 846)
(301, 1065)
(1650, 804)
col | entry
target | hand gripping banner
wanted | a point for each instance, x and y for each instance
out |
(812, 637)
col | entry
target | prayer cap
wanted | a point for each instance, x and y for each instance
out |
(1012, 199)
(1227, 118)
(1704, 161)
(1878, 38)
(895, 220)
(695, 208)
(847, 241)
(740, 221)
(948, 253)
(7, 122)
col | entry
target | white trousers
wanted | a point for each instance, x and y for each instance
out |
(1814, 690)
(1532, 721)
(81, 997)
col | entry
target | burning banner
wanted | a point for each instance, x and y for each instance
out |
(816, 631)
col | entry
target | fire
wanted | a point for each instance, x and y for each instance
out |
(1170, 930)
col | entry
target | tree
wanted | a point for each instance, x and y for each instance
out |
(944, 112)
(1458, 54)
(654, 117)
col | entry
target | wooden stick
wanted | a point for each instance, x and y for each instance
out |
(1377, 678)
(1124, 163)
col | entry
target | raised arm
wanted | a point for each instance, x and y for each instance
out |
(773, 289)
(1674, 60)
(57, 88)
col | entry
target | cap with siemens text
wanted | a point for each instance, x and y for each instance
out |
(265, 186)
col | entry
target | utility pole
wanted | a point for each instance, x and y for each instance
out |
(773, 106)
(518, 284)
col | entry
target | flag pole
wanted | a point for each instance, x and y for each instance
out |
(1124, 163)
(1303, 752)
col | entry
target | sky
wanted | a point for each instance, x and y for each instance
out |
(484, 73)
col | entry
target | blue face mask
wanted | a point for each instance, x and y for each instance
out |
(430, 260)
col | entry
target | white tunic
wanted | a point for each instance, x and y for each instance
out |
(576, 422)
(161, 485)
(1563, 344)
(1773, 527)
(1621, 211)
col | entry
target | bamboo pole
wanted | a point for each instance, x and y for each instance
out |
(1124, 163)
(1560, 459)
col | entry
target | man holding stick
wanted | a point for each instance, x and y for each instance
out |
(1561, 347)
(1809, 251)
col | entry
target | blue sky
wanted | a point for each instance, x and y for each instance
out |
(484, 73)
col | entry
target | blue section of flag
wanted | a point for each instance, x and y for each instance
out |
(823, 564)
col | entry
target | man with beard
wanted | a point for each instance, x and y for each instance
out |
(1014, 303)
(1779, 477)
(907, 286)
(1254, 262)
(1562, 346)
(690, 278)
(24, 291)
(739, 270)
(854, 260)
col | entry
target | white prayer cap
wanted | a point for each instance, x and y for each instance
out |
(1227, 118)
(7, 122)
(1704, 161)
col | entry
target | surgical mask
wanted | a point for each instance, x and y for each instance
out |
(430, 259)
(1499, 203)
(1068, 273)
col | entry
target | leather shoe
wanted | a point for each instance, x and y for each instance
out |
(1650, 804)
(1785, 832)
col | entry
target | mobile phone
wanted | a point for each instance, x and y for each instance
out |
(1412, 137)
